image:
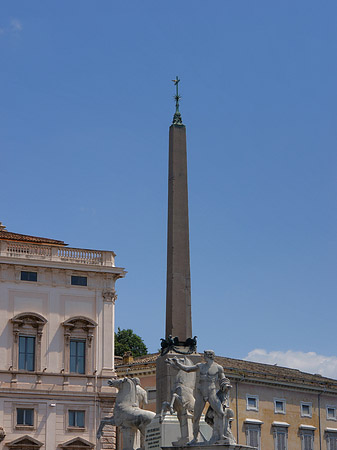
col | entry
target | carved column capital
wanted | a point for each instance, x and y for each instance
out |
(109, 295)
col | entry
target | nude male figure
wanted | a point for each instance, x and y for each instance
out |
(141, 393)
(210, 376)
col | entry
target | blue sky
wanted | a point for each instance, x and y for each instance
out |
(86, 102)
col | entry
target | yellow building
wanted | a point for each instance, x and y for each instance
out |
(275, 408)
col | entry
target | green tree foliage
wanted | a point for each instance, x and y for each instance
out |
(127, 340)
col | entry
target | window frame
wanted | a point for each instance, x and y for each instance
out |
(26, 406)
(284, 405)
(307, 432)
(330, 434)
(24, 413)
(310, 409)
(335, 414)
(29, 274)
(280, 430)
(26, 353)
(151, 394)
(79, 278)
(253, 427)
(76, 408)
(76, 413)
(79, 328)
(252, 408)
(77, 357)
(28, 324)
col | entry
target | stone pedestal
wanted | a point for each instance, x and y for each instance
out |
(159, 435)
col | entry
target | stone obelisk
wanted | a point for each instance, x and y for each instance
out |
(178, 285)
(178, 334)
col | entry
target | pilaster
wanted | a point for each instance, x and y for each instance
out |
(108, 336)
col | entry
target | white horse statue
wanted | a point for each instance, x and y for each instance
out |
(127, 413)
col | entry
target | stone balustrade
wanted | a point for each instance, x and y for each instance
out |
(54, 253)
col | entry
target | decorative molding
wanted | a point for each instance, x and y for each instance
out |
(280, 424)
(77, 443)
(109, 295)
(253, 421)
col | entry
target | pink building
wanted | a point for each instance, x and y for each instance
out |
(56, 342)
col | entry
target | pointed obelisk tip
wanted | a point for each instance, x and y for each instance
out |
(177, 120)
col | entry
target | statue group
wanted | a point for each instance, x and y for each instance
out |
(210, 385)
(194, 385)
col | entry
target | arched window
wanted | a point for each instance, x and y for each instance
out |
(27, 331)
(78, 338)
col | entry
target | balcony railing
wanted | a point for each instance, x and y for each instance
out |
(56, 253)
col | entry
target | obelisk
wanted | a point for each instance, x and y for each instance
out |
(178, 284)
(178, 335)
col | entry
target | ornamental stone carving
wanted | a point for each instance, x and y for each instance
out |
(109, 295)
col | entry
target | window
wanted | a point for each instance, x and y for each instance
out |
(77, 356)
(78, 350)
(151, 394)
(253, 435)
(331, 413)
(279, 406)
(331, 439)
(27, 336)
(76, 418)
(25, 417)
(28, 276)
(281, 438)
(78, 281)
(307, 440)
(306, 409)
(27, 353)
(252, 402)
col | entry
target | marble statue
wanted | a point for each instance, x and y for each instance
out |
(182, 401)
(141, 393)
(223, 395)
(210, 380)
(127, 413)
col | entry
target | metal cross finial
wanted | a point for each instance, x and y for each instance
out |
(177, 116)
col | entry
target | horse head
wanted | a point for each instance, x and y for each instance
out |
(127, 395)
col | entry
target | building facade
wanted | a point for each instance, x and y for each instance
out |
(275, 408)
(56, 343)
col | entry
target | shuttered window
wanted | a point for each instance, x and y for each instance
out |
(280, 439)
(332, 442)
(307, 441)
(253, 436)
